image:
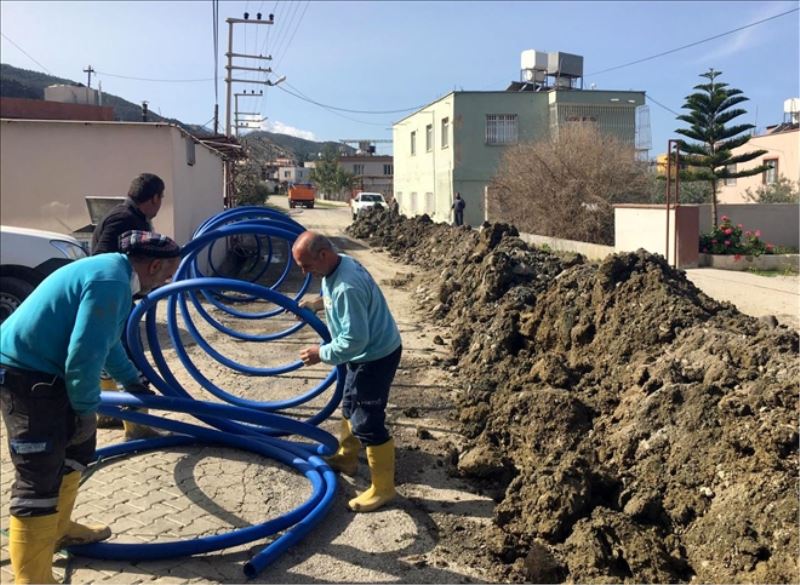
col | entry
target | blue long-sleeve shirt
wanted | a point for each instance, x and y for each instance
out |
(361, 325)
(70, 326)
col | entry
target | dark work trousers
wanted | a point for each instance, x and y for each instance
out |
(459, 218)
(39, 422)
(366, 392)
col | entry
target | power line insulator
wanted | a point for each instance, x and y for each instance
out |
(246, 15)
(272, 17)
(258, 16)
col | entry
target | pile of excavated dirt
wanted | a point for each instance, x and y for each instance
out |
(631, 428)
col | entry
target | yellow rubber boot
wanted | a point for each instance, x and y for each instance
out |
(30, 545)
(346, 458)
(135, 431)
(71, 533)
(381, 466)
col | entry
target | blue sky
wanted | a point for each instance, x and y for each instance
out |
(396, 55)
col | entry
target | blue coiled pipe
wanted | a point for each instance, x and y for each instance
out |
(246, 424)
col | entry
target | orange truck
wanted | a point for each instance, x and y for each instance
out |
(302, 194)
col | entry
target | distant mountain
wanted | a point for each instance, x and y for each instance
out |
(262, 146)
(266, 146)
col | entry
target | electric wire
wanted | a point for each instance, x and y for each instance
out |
(349, 110)
(25, 53)
(155, 80)
(215, 35)
(284, 31)
(297, 26)
(341, 115)
(670, 110)
(705, 40)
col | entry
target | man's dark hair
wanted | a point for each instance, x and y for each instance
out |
(145, 187)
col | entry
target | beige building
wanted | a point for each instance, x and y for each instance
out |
(371, 172)
(293, 174)
(48, 167)
(782, 143)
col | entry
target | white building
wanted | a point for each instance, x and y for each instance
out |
(49, 167)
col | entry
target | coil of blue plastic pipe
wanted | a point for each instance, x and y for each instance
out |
(258, 427)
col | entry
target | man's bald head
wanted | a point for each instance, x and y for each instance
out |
(314, 254)
(312, 242)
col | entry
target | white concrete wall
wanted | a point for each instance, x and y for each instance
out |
(779, 222)
(47, 167)
(591, 251)
(643, 227)
(198, 190)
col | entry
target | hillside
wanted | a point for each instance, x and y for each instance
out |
(265, 145)
(24, 83)
(262, 145)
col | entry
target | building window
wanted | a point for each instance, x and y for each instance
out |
(445, 132)
(428, 137)
(387, 169)
(501, 128)
(771, 174)
(414, 142)
(730, 180)
(358, 169)
(285, 174)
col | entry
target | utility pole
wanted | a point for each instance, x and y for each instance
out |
(89, 72)
(237, 113)
(229, 80)
(230, 67)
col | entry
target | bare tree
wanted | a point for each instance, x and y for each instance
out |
(565, 187)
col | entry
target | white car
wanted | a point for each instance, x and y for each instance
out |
(364, 200)
(27, 256)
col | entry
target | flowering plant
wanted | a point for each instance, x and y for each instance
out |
(728, 238)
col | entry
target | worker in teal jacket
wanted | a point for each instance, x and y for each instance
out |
(52, 349)
(365, 337)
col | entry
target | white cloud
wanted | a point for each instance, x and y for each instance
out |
(281, 128)
(731, 45)
(747, 38)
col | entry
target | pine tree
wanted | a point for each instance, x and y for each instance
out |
(711, 107)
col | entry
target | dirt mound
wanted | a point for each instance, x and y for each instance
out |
(632, 428)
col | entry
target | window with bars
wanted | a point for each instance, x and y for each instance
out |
(445, 132)
(501, 128)
(358, 169)
(771, 174)
(414, 142)
(428, 137)
(387, 169)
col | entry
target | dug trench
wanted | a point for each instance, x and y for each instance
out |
(628, 427)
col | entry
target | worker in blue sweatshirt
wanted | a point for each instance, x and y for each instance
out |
(365, 337)
(52, 349)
